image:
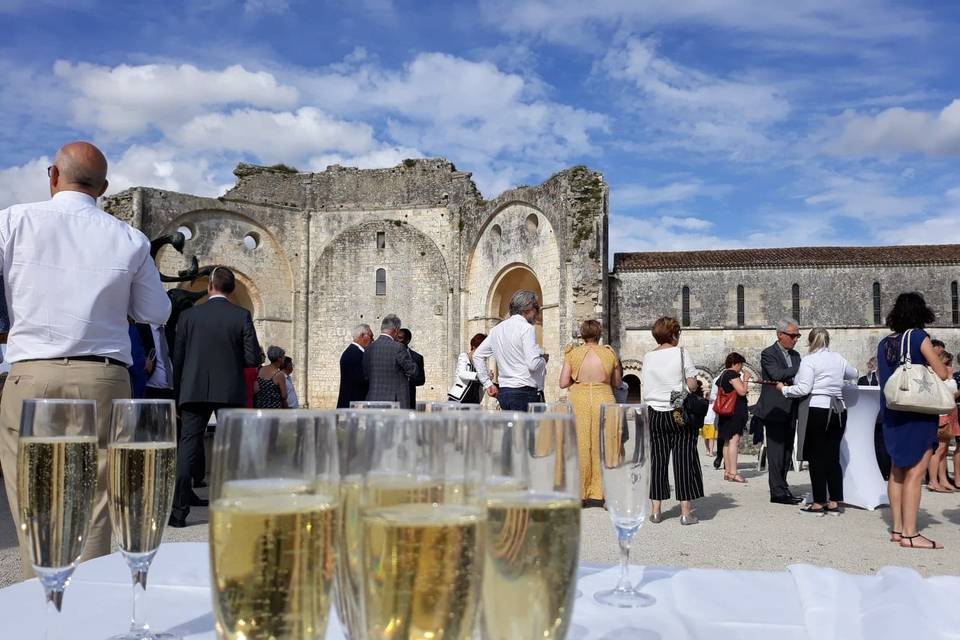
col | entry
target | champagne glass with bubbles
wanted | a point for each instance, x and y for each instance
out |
(422, 545)
(141, 471)
(273, 523)
(531, 492)
(550, 407)
(56, 487)
(374, 404)
(625, 464)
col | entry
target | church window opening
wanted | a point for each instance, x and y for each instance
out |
(381, 282)
(381, 240)
(795, 295)
(877, 307)
(741, 311)
(186, 231)
(533, 223)
(685, 306)
(251, 241)
(955, 302)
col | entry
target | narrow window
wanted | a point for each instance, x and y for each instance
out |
(381, 282)
(381, 240)
(741, 312)
(795, 294)
(955, 302)
(685, 310)
(877, 306)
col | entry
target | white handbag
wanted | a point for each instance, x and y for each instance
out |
(916, 388)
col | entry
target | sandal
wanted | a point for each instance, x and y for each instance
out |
(933, 545)
(810, 509)
(836, 509)
(895, 533)
(734, 478)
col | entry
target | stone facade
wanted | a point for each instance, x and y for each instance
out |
(309, 249)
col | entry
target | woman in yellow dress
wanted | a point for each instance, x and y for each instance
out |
(591, 372)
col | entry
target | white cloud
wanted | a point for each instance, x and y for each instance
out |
(866, 199)
(629, 234)
(376, 159)
(164, 167)
(273, 136)
(938, 229)
(25, 183)
(126, 100)
(265, 6)
(630, 195)
(900, 131)
(688, 223)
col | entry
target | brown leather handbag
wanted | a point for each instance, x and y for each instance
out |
(726, 402)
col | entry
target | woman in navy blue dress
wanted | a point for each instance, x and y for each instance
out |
(910, 437)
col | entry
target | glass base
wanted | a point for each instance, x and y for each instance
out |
(145, 635)
(624, 598)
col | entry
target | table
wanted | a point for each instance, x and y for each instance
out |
(801, 603)
(863, 484)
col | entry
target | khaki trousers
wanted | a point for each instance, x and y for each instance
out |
(70, 379)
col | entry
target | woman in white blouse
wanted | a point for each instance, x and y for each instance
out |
(466, 374)
(821, 377)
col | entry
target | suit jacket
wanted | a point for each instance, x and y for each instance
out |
(353, 384)
(418, 380)
(864, 381)
(773, 406)
(388, 368)
(216, 341)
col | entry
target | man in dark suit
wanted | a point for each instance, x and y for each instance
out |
(779, 363)
(404, 338)
(879, 445)
(388, 367)
(353, 384)
(215, 342)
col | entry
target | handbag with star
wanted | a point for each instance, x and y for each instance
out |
(916, 388)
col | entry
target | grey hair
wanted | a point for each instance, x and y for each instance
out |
(275, 353)
(818, 339)
(785, 323)
(390, 322)
(522, 301)
(361, 329)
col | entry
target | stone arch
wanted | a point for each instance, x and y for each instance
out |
(265, 278)
(520, 248)
(513, 278)
(635, 392)
(343, 294)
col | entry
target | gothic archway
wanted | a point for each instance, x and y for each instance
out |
(513, 278)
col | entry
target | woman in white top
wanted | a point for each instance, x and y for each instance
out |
(666, 370)
(467, 374)
(821, 377)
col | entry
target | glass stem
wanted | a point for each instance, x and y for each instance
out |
(139, 590)
(51, 628)
(624, 537)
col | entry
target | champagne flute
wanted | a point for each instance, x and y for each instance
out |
(436, 407)
(273, 523)
(625, 464)
(141, 471)
(374, 404)
(422, 551)
(549, 407)
(531, 491)
(56, 487)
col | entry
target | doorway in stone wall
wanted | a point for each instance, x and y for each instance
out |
(512, 279)
(240, 296)
(633, 384)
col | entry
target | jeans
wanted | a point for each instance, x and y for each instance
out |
(517, 398)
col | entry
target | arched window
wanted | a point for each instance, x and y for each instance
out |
(955, 302)
(741, 311)
(685, 306)
(877, 304)
(795, 296)
(381, 282)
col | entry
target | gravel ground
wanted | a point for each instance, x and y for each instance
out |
(738, 529)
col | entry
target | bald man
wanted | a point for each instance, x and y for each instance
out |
(72, 275)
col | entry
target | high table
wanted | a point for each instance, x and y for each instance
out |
(804, 602)
(863, 484)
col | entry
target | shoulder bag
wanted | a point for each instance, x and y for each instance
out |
(686, 407)
(916, 388)
(726, 403)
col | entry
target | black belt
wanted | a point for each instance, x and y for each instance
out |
(100, 359)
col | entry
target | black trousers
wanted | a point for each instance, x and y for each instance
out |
(199, 470)
(821, 448)
(880, 446)
(779, 436)
(666, 439)
(194, 417)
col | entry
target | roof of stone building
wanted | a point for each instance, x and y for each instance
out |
(788, 257)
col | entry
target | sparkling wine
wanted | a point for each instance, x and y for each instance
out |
(422, 571)
(273, 559)
(56, 488)
(142, 477)
(529, 581)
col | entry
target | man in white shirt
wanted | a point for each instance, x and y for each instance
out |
(293, 402)
(520, 360)
(72, 276)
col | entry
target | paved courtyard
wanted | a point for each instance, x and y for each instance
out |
(739, 529)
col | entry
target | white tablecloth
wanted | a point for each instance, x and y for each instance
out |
(803, 603)
(863, 485)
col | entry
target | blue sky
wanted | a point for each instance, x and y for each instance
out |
(717, 123)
